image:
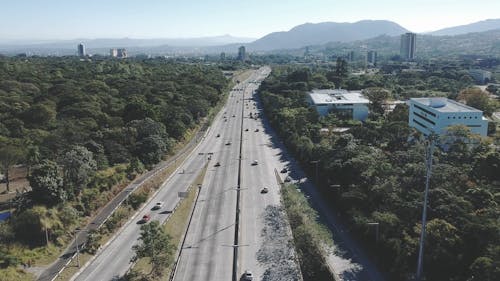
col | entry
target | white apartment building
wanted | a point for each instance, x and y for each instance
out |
(429, 115)
(353, 105)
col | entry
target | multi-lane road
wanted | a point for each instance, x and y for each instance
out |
(234, 226)
(217, 230)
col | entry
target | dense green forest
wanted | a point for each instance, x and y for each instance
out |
(83, 126)
(373, 173)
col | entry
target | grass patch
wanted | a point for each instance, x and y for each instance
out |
(242, 75)
(309, 235)
(11, 273)
(175, 226)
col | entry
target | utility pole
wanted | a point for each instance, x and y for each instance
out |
(77, 231)
(77, 249)
(428, 159)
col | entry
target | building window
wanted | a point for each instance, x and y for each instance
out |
(422, 125)
(425, 110)
(343, 113)
(425, 118)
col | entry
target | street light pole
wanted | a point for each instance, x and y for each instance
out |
(428, 159)
(77, 231)
(77, 249)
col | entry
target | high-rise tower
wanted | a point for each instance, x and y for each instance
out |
(81, 50)
(242, 55)
(408, 45)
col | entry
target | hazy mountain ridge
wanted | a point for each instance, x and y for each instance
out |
(320, 33)
(375, 34)
(128, 42)
(479, 26)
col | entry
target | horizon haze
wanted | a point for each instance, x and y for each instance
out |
(92, 19)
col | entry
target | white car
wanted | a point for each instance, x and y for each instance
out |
(255, 162)
(158, 205)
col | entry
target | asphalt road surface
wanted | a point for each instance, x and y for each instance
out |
(260, 160)
(208, 251)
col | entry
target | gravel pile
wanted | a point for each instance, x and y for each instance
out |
(276, 253)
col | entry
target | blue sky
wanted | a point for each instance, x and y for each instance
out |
(69, 19)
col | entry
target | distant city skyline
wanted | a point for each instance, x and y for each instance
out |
(69, 19)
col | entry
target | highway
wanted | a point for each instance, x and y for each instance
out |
(209, 246)
(212, 241)
(113, 260)
(266, 249)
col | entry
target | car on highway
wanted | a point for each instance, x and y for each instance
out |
(217, 164)
(158, 205)
(146, 218)
(247, 276)
(264, 190)
(284, 170)
(255, 163)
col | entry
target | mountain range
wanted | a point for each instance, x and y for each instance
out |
(320, 33)
(308, 34)
(479, 26)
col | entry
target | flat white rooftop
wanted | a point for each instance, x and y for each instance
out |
(329, 96)
(445, 105)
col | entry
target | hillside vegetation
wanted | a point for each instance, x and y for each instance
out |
(84, 129)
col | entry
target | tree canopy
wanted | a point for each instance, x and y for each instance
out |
(375, 172)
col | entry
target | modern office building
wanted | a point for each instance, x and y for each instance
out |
(371, 58)
(118, 53)
(350, 105)
(408, 46)
(434, 115)
(480, 76)
(350, 56)
(81, 50)
(242, 55)
(121, 53)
